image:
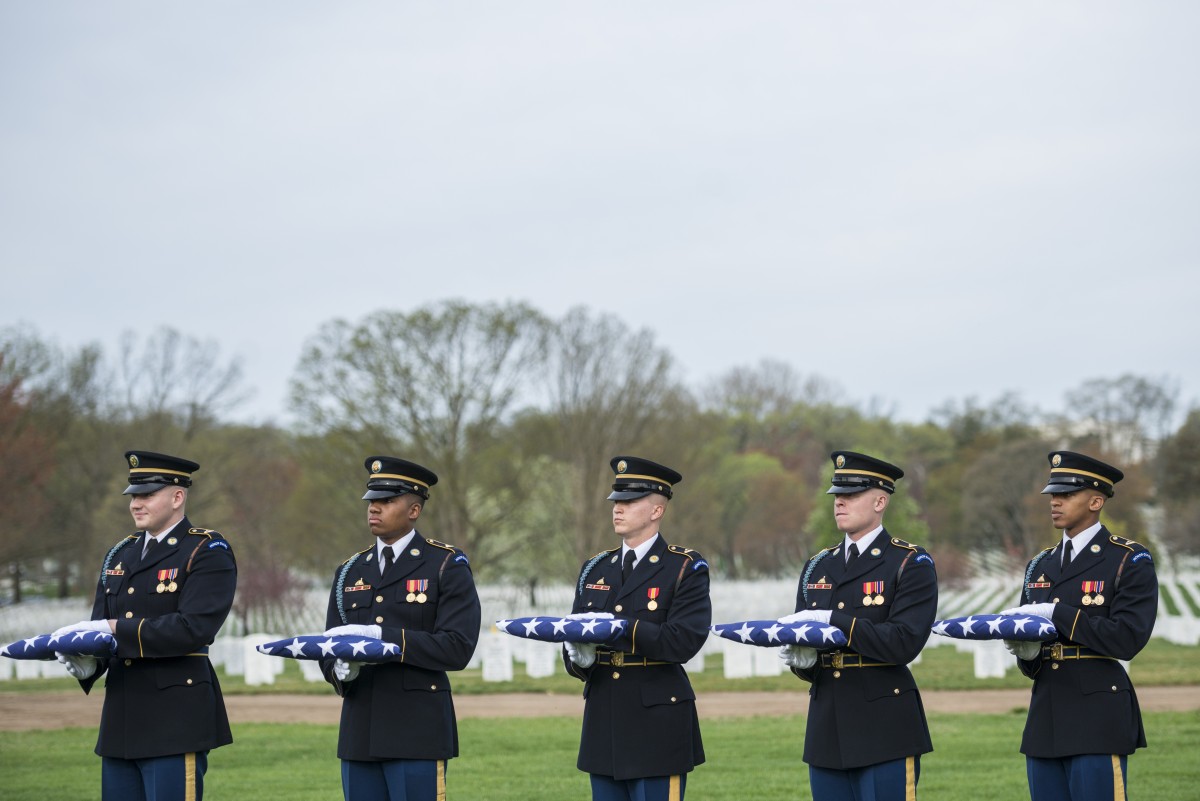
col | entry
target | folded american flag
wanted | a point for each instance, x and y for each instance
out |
(561, 629)
(76, 643)
(997, 627)
(343, 646)
(772, 633)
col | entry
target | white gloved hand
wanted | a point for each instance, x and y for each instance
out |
(807, 616)
(346, 671)
(1021, 649)
(79, 666)
(798, 656)
(355, 630)
(581, 653)
(84, 625)
(590, 616)
(1041, 610)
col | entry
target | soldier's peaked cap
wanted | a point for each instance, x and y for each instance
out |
(635, 478)
(389, 477)
(855, 472)
(1070, 472)
(150, 472)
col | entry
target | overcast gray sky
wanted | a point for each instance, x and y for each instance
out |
(918, 201)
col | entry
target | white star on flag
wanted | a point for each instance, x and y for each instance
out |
(360, 647)
(801, 632)
(29, 643)
(828, 632)
(968, 625)
(326, 647)
(940, 628)
(1045, 628)
(78, 636)
(590, 625)
(297, 647)
(993, 625)
(1019, 623)
(744, 632)
(616, 625)
(560, 625)
(531, 626)
(389, 648)
(503, 624)
(55, 637)
(772, 632)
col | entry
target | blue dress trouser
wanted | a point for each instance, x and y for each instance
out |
(1087, 777)
(179, 777)
(394, 780)
(655, 788)
(887, 781)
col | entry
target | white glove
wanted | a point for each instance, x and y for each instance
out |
(798, 656)
(85, 625)
(81, 667)
(346, 671)
(582, 653)
(1023, 650)
(1041, 610)
(354, 630)
(590, 616)
(807, 616)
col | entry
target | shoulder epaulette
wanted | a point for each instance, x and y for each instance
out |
(679, 549)
(360, 553)
(1125, 542)
(437, 544)
(902, 544)
(204, 532)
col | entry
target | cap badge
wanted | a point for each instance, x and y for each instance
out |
(376, 466)
(133, 461)
(622, 466)
(1056, 461)
(841, 461)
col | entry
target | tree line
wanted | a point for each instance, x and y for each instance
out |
(518, 413)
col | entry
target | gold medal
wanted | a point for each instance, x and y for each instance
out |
(421, 598)
(412, 596)
(652, 605)
(172, 587)
(1087, 600)
(161, 587)
(879, 600)
(1098, 600)
(867, 601)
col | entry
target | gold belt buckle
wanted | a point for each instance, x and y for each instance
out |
(1056, 651)
(618, 658)
(837, 660)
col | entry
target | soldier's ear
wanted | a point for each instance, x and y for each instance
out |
(1097, 502)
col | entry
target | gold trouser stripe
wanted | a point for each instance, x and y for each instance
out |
(1118, 780)
(189, 777)
(910, 779)
(441, 780)
(673, 790)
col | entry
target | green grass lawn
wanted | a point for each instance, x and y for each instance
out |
(942, 668)
(533, 759)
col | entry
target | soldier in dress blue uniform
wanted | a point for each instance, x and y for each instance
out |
(398, 725)
(163, 593)
(1101, 591)
(866, 724)
(641, 735)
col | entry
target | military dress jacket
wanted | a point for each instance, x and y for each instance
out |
(864, 715)
(428, 606)
(639, 717)
(161, 695)
(1083, 702)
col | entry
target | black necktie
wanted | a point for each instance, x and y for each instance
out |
(627, 565)
(389, 556)
(1066, 560)
(150, 543)
(851, 554)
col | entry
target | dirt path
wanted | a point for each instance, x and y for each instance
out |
(25, 711)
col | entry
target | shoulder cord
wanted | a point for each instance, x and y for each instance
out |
(595, 560)
(1033, 563)
(341, 583)
(808, 571)
(108, 560)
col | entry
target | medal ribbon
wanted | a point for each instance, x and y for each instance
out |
(412, 585)
(872, 587)
(653, 593)
(162, 575)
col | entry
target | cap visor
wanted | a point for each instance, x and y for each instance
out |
(143, 489)
(622, 495)
(1060, 489)
(373, 495)
(836, 490)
